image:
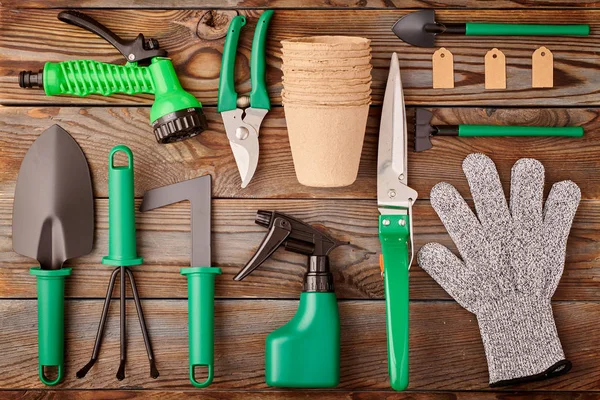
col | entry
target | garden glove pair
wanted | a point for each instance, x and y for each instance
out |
(512, 260)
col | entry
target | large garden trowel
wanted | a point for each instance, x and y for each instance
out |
(53, 221)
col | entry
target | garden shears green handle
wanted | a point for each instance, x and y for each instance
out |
(259, 97)
(395, 262)
(394, 200)
(242, 123)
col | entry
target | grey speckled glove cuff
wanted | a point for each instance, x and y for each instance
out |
(512, 260)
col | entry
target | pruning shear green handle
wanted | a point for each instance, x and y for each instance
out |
(394, 234)
(259, 97)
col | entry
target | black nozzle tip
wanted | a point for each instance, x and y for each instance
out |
(263, 218)
(179, 125)
(30, 79)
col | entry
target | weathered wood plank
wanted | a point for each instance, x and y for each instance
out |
(275, 4)
(194, 41)
(273, 394)
(164, 242)
(442, 334)
(97, 130)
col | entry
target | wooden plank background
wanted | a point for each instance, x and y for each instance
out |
(447, 359)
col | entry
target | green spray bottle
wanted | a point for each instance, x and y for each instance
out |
(175, 115)
(305, 352)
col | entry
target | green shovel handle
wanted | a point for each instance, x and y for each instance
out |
(499, 130)
(486, 29)
(394, 236)
(259, 97)
(227, 96)
(201, 320)
(51, 316)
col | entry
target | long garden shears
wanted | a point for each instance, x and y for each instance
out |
(395, 200)
(242, 123)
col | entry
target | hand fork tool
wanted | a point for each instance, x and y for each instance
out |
(242, 123)
(395, 200)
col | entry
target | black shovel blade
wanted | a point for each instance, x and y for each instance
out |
(53, 211)
(411, 28)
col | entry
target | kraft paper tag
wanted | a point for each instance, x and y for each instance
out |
(443, 69)
(495, 69)
(542, 68)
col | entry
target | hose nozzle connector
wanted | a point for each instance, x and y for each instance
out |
(30, 79)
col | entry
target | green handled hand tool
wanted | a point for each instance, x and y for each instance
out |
(420, 29)
(122, 254)
(175, 115)
(424, 130)
(201, 276)
(395, 200)
(242, 123)
(53, 221)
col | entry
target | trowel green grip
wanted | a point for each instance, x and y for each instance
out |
(85, 77)
(485, 29)
(227, 96)
(259, 97)
(201, 320)
(499, 130)
(394, 235)
(51, 314)
(121, 212)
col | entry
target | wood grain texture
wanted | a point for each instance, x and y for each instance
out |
(275, 4)
(133, 394)
(446, 349)
(30, 38)
(164, 242)
(97, 130)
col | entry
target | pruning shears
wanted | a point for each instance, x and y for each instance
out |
(242, 123)
(394, 200)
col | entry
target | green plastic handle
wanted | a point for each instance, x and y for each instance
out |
(122, 249)
(394, 236)
(201, 320)
(259, 97)
(227, 96)
(51, 320)
(85, 77)
(485, 29)
(499, 130)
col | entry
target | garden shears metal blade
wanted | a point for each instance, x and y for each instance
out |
(242, 123)
(395, 200)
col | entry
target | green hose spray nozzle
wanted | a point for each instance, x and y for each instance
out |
(175, 115)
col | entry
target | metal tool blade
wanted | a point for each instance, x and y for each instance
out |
(53, 211)
(411, 28)
(242, 127)
(392, 189)
(198, 192)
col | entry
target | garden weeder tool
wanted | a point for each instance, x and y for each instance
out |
(53, 221)
(201, 277)
(395, 200)
(424, 130)
(242, 123)
(175, 115)
(420, 29)
(122, 253)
